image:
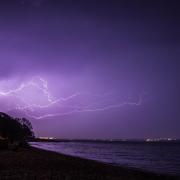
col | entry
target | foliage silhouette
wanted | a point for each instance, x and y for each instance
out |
(15, 129)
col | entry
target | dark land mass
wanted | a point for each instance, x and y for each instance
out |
(39, 164)
(107, 141)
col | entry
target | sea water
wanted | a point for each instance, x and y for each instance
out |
(162, 158)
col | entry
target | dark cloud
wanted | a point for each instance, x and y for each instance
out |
(124, 47)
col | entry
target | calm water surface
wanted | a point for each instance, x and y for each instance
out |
(163, 158)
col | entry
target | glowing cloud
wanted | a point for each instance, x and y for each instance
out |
(34, 99)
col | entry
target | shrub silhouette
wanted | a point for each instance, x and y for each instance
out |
(15, 129)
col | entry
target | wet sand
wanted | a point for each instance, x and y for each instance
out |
(39, 164)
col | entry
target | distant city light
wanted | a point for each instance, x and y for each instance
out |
(159, 139)
(46, 138)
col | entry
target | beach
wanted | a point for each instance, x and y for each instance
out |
(33, 163)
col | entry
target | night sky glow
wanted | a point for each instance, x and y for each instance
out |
(34, 95)
(92, 69)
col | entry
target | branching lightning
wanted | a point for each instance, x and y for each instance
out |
(63, 105)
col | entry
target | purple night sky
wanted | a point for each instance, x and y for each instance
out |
(92, 69)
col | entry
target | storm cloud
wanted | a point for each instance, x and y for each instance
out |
(122, 51)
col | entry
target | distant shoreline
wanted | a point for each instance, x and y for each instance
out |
(35, 163)
(105, 141)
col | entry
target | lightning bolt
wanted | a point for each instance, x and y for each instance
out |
(100, 102)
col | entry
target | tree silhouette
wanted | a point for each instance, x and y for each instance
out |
(15, 129)
(26, 127)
